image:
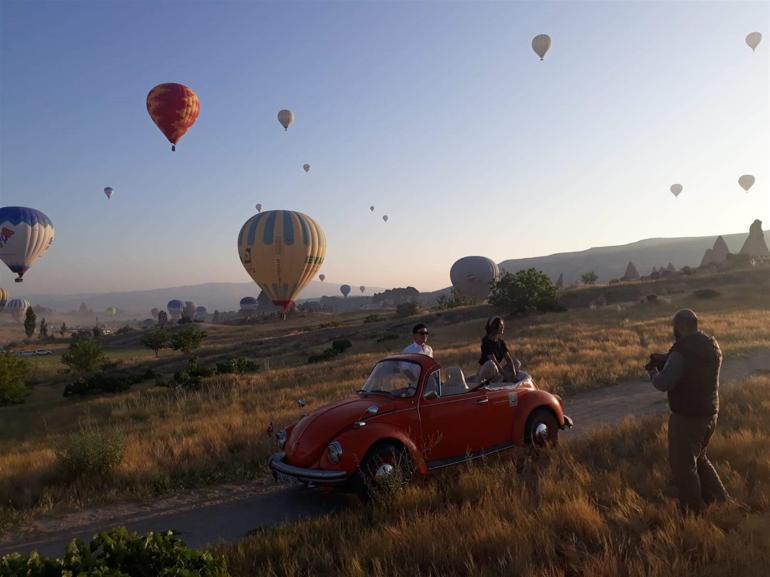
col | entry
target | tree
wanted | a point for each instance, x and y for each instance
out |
(187, 339)
(156, 339)
(524, 291)
(84, 355)
(63, 329)
(43, 329)
(589, 277)
(13, 372)
(406, 309)
(29, 322)
(162, 318)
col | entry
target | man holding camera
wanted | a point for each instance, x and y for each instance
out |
(689, 373)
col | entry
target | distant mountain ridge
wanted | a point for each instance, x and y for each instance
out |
(610, 262)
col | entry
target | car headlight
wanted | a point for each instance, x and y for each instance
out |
(281, 437)
(335, 452)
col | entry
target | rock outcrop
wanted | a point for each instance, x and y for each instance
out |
(708, 258)
(720, 250)
(631, 272)
(755, 244)
(672, 268)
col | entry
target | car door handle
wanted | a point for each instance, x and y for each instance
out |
(482, 401)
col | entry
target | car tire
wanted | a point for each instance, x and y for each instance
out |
(542, 429)
(386, 468)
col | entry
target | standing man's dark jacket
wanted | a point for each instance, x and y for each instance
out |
(696, 391)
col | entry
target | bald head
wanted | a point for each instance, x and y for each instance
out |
(685, 323)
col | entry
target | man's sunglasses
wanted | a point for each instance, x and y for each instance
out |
(421, 333)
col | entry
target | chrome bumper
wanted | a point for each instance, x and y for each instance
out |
(279, 468)
(568, 424)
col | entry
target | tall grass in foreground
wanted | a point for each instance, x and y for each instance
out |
(600, 506)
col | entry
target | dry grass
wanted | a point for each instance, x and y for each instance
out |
(176, 439)
(596, 507)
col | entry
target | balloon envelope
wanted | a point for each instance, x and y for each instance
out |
(385, 217)
(285, 117)
(200, 314)
(362, 288)
(306, 167)
(753, 40)
(282, 251)
(676, 189)
(249, 304)
(175, 308)
(322, 277)
(17, 308)
(111, 311)
(108, 191)
(540, 44)
(746, 181)
(3, 298)
(258, 206)
(345, 290)
(25, 236)
(472, 275)
(174, 108)
(371, 208)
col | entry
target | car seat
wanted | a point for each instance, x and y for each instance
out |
(454, 382)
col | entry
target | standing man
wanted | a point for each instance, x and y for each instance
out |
(420, 343)
(690, 376)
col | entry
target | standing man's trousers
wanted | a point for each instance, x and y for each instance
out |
(694, 476)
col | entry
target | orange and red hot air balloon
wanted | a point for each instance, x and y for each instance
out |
(174, 108)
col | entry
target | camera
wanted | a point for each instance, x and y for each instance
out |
(657, 361)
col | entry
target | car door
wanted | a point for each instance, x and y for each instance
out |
(450, 426)
(501, 410)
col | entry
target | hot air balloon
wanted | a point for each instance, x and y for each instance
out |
(306, 167)
(258, 206)
(174, 108)
(746, 181)
(322, 277)
(753, 40)
(676, 189)
(3, 298)
(17, 308)
(472, 275)
(111, 311)
(362, 288)
(281, 250)
(249, 304)
(345, 290)
(175, 308)
(108, 190)
(25, 235)
(371, 208)
(286, 117)
(200, 314)
(540, 44)
(385, 217)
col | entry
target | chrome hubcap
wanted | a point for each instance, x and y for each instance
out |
(541, 434)
(384, 471)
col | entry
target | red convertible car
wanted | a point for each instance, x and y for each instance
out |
(413, 416)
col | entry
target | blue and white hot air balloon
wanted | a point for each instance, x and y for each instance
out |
(249, 304)
(17, 308)
(175, 308)
(200, 314)
(25, 235)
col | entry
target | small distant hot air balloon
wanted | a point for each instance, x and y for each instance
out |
(385, 217)
(248, 304)
(306, 167)
(108, 190)
(362, 288)
(753, 40)
(322, 277)
(286, 117)
(175, 308)
(3, 298)
(345, 290)
(200, 314)
(17, 308)
(174, 108)
(540, 44)
(111, 311)
(258, 206)
(25, 236)
(676, 189)
(746, 181)
(371, 208)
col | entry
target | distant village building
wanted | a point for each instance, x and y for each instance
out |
(755, 244)
(631, 272)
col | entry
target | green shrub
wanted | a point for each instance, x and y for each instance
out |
(527, 290)
(91, 453)
(341, 345)
(118, 553)
(706, 294)
(124, 330)
(13, 372)
(406, 309)
(101, 382)
(372, 318)
(84, 355)
(387, 337)
(338, 347)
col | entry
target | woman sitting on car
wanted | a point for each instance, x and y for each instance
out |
(493, 352)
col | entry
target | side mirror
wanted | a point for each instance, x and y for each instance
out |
(430, 395)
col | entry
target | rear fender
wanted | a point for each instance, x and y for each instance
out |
(362, 440)
(529, 403)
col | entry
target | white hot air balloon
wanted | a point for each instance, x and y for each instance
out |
(286, 117)
(753, 40)
(676, 189)
(541, 44)
(306, 167)
(258, 207)
(746, 181)
(108, 190)
(385, 217)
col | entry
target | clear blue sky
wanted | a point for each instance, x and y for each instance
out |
(439, 114)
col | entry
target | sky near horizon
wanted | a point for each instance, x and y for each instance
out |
(438, 114)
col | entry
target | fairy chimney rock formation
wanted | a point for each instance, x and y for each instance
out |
(671, 267)
(755, 244)
(708, 257)
(720, 251)
(560, 281)
(631, 272)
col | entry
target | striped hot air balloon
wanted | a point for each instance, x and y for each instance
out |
(18, 308)
(174, 108)
(3, 298)
(282, 251)
(249, 304)
(25, 235)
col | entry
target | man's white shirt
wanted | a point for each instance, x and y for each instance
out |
(418, 349)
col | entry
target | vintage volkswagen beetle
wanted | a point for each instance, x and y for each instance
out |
(413, 416)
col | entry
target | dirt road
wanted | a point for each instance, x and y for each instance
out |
(230, 512)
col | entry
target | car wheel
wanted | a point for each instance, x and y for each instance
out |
(542, 429)
(385, 469)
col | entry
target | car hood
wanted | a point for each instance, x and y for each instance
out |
(312, 434)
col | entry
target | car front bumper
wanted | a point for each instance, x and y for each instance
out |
(281, 469)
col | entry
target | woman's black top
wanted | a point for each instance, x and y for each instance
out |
(490, 347)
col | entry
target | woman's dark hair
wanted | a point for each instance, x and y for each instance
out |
(493, 325)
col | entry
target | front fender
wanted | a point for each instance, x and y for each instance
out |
(529, 403)
(361, 440)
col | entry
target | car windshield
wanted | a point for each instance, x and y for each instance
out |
(395, 378)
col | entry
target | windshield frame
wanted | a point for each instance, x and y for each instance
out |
(393, 394)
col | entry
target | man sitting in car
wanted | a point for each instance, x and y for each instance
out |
(419, 344)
